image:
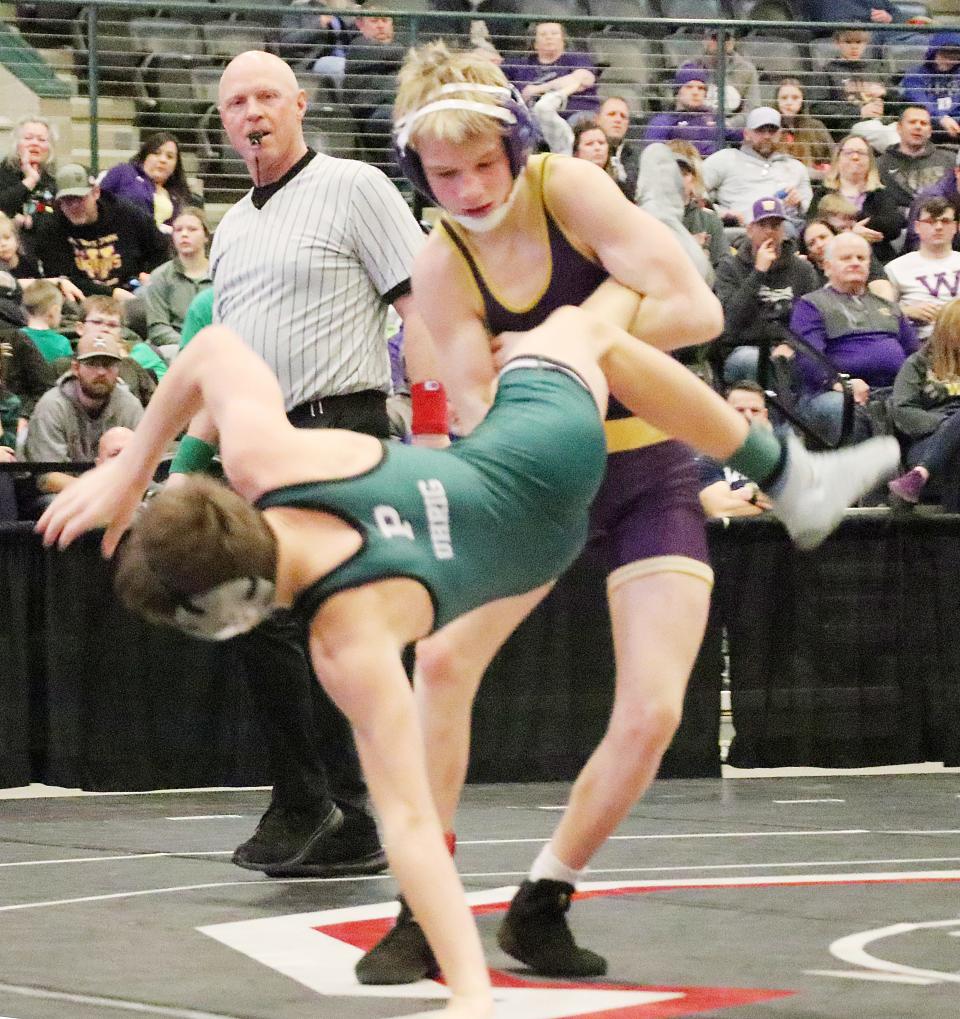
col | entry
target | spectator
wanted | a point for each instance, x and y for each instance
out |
(924, 405)
(174, 284)
(869, 113)
(103, 316)
(835, 216)
(854, 174)
(12, 259)
(43, 303)
(914, 163)
(724, 491)
(589, 142)
(372, 61)
(926, 279)
(614, 117)
(701, 221)
(550, 68)
(27, 185)
(804, 137)
(660, 193)
(692, 120)
(836, 98)
(935, 84)
(741, 77)
(153, 180)
(880, 12)
(862, 335)
(9, 425)
(313, 38)
(947, 187)
(736, 179)
(68, 421)
(102, 244)
(26, 374)
(757, 286)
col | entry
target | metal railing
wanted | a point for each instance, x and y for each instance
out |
(166, 61)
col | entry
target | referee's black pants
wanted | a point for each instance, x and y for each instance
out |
(308, 739)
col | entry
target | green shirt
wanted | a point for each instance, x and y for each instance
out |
(145, 355)
(50, 343)
(199, 316)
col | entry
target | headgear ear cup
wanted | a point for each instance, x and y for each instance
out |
(520, 136)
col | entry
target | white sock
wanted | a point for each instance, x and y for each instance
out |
(547, 867)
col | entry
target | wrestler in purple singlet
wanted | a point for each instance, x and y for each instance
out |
(648, 505)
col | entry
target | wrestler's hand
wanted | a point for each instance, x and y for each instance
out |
(107, 496)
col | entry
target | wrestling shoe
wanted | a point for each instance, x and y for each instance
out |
(535, 932)
(813, 491)
(351, 847)
(284, 837)
(401, 956)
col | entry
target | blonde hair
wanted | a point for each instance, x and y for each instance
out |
(832, 177)
(835, 204)
(688, 152)
(425, 71)
(944, 348)
(41, 296)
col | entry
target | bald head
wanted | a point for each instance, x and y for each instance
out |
(847, 263)
(262, 108)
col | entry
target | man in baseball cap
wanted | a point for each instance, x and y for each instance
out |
(73, 181)
(693, 120)
(736, 178)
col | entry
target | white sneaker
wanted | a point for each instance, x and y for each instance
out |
(815, 488)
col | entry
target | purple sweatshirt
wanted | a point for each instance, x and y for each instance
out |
(874, 355)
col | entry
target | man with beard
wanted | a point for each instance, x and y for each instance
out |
(70, 419)
(737, 178)
(757, 286)
(915, 162)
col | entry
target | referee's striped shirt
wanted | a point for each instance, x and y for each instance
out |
(306, 279)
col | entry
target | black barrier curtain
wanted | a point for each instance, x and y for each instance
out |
(131, 706)
(22, 644)
(847, 656)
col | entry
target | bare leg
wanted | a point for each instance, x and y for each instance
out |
(450, 665)
(371, 689)
(658, 623)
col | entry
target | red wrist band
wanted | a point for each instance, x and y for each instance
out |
(429, 408)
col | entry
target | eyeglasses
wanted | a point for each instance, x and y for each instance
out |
(939, 221)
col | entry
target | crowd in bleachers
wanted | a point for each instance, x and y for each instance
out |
(816, 134)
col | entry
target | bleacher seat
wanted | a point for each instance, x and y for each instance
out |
(173, 50)
(118, 53)
(695, 10)
(774, 58)
(603, 10)
(223, 40)
(329, 128)
(544, 10)
(627, 59)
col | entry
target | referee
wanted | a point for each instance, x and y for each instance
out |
(304, 267)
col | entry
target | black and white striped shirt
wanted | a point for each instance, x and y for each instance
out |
(307, 278)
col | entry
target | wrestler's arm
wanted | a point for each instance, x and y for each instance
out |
(218, 373)
(678, 308)
(459, 336)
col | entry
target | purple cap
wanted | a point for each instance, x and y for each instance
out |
(767, 208)
(690, 72)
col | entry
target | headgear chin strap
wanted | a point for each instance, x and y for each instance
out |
(227, 610)
(519, 138)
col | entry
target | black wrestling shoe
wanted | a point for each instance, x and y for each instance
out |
(285, 837)
(352, 847)
(401, 956)
(535, 932)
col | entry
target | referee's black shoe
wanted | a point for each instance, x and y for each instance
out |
(535, 932)
(291, 843)
(401, 956)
